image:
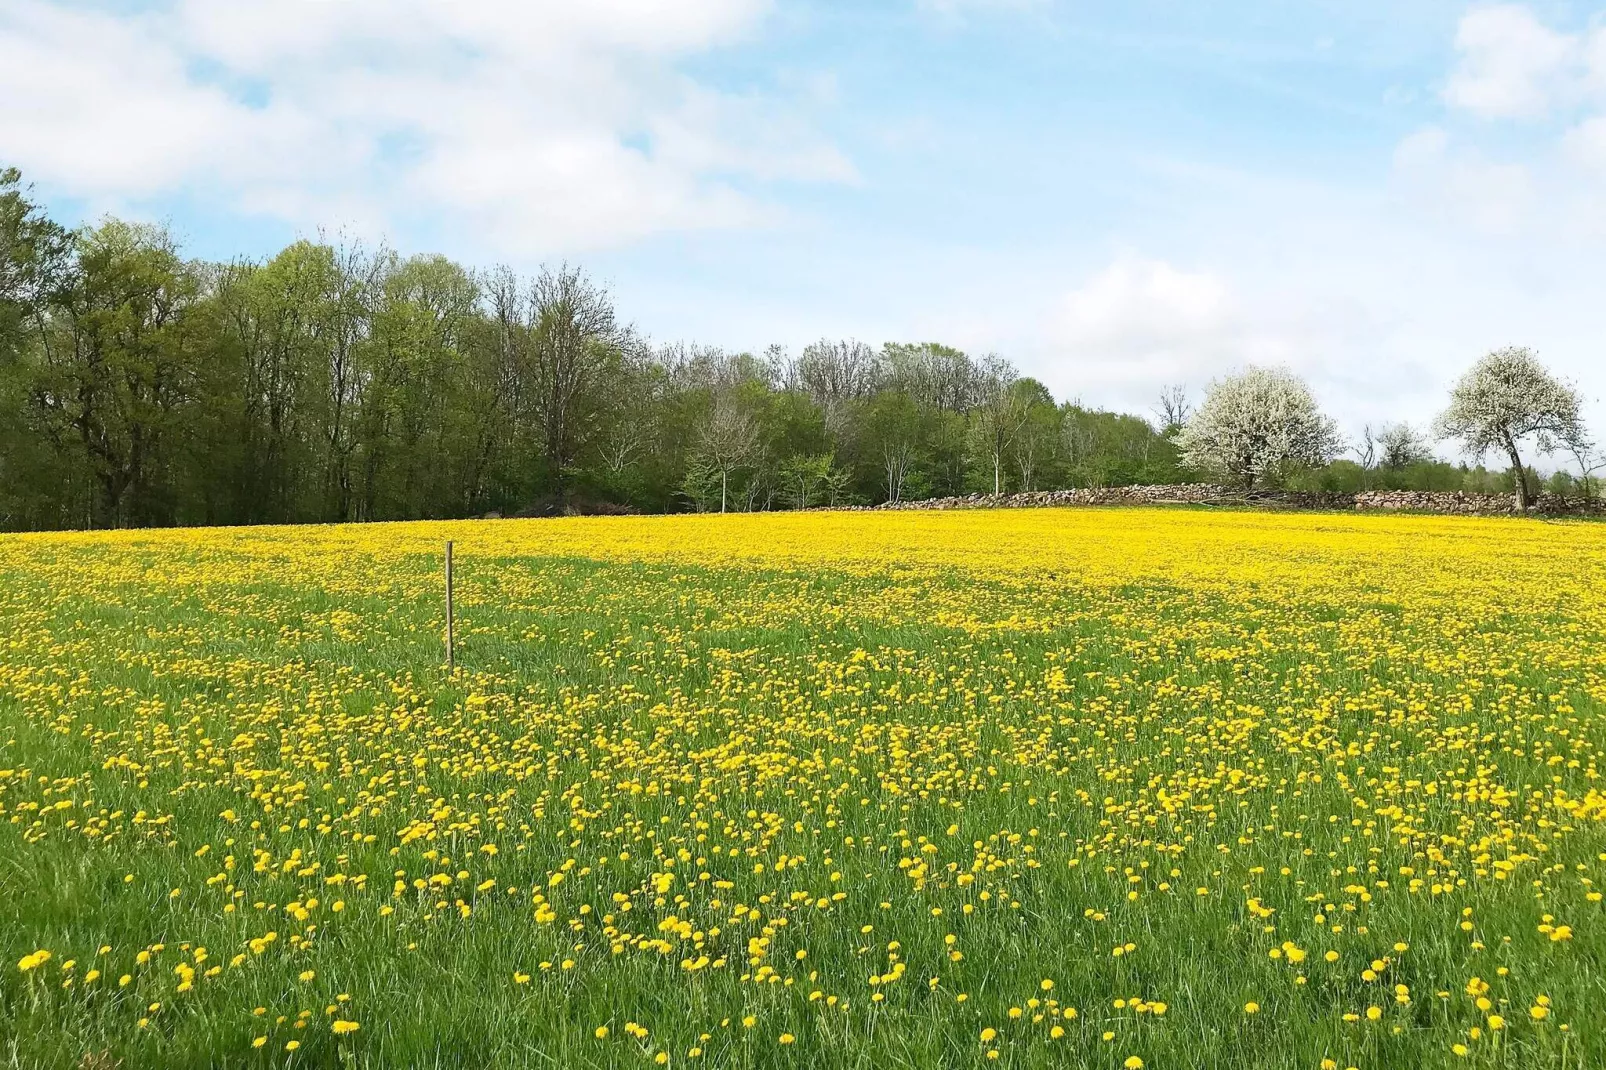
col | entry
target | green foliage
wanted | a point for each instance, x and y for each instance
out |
(804, 480)
(1105, 449)
(331, 383)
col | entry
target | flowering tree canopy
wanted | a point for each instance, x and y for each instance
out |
(1255, 425)
(1506, 397)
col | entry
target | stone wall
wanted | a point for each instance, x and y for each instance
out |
(1460, 502)
(1180, 494)
(1452, 502)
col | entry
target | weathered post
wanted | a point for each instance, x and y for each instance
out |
(449, 637)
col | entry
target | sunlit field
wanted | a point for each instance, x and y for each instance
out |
(1049, 788)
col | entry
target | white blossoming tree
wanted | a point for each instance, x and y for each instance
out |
(1506, 397)
(1254, 426)
(1399, 445)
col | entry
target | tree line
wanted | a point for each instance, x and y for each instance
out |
(333, 382)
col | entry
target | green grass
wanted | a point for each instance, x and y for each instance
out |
(845, 717)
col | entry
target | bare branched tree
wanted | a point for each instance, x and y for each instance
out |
(997, 420)
(727, 441)
(1366, 449)
(576, 338)
(932, 375)
(834, 374)
(1590, 459)
(1173, 408)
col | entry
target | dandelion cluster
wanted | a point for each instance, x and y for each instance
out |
(1125, 788)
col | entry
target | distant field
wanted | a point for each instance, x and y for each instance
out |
(1050, 788)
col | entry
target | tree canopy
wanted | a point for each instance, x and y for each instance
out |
(335, 382)
(1255, 426)
(328, 383)
(1506, 398)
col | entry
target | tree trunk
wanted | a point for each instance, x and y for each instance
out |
(1522, 477)
(723, 477)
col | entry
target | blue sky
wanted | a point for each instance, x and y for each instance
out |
(1114, 196)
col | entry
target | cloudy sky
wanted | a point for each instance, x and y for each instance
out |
(1116, 196)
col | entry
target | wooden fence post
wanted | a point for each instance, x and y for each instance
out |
(450, 660)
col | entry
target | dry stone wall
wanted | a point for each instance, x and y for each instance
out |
(1460, 502)
(1179, 494)
(1451, 502)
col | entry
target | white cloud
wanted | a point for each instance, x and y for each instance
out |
(1139, 321)
(1511, 64)
(544, 126)
(1460, 187)
(1148, 318)
(1585, 144)
(106, 105)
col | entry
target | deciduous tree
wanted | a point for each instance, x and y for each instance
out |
(1508, 396)
(1252, 427)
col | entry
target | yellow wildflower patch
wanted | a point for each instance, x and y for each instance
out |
(1243, 786)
